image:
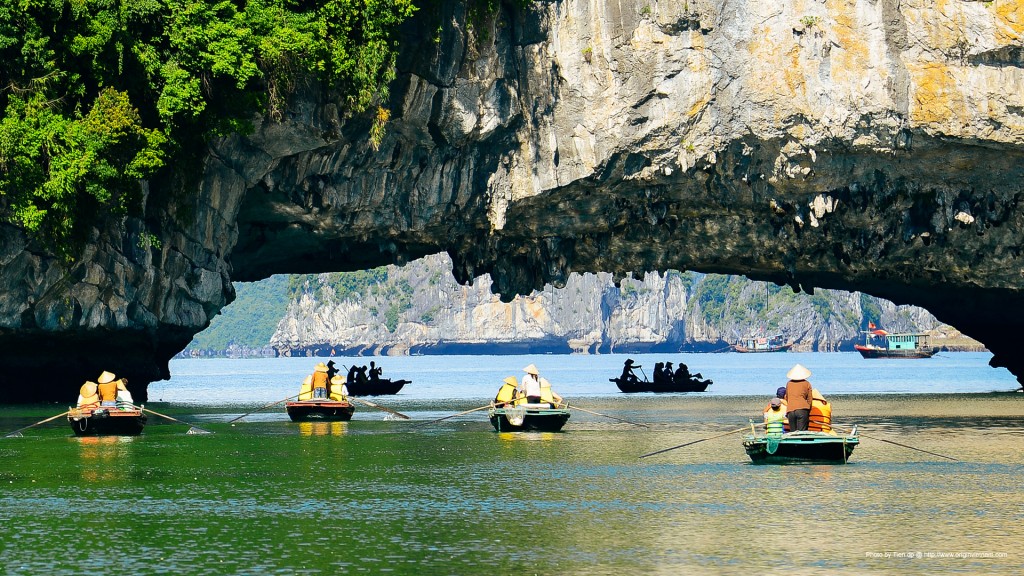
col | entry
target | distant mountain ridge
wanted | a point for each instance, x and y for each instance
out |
(421, 309)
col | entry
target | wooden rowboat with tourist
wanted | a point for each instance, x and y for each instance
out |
(379, 387)
(107, 421)
(528, 417)
(800, 447)
(322, 410)
(689, 385)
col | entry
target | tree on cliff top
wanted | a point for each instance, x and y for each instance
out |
(99, 94)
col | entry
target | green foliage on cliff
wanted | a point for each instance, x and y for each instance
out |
(97, 95)
(251, 319)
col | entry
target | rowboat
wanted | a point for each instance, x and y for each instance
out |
(319, 410)
(691, 385)
(882, 344)
(378, 387)
(528, 417)
(107, 421)
(801, 447)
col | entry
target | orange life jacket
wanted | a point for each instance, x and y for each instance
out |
(319, 380)
(108, 391)
(821, 416)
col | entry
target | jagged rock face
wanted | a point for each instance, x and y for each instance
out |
(872, 145)
(419, 310)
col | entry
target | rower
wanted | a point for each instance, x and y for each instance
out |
(507, 392)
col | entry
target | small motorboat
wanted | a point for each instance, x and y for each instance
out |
(801, 447)
(528, 417)
(319, 410)
(125, 420)
(881, 344)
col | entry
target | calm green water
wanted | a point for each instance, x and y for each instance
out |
(390, 496)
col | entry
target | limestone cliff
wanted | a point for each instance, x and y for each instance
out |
(871, 145)
(420, 309)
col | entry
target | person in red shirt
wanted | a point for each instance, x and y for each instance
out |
(798, 398)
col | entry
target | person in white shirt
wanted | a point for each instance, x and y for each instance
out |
(530, 384)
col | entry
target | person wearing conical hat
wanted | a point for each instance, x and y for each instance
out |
(799, 396)
(320, 381)
(339, 392)
(87, 396)
(627, 371)
(106, 387)
(507, 392)
(530, 384)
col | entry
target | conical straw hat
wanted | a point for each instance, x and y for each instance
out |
(321, 367)
(511, 381)
(531, 369)
(798, 372)
(105, 377)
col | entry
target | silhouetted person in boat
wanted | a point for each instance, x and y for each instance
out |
(682, 374)
(659, 373)
(361, 375)
(352, 375)
(627, 371)
(669, 373)
(374, 372)
(331, 370)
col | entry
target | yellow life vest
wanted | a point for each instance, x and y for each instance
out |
(306, 392)
(505, 393)
(775, 421)
(545, 392)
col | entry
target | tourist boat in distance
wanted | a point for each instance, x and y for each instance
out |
(690, 385)
(762, 344)
(881, 344)
(528, 417)
(801, 447)
(107, 421)
(378, 387)
(319, 410)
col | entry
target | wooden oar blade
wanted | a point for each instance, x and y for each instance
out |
(15, 434)
(379, 407)
(194, 430)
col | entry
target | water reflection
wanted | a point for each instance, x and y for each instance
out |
(323, 428)
(528, 436)
(105, 458)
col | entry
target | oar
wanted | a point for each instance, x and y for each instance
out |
(379, 407)
(263, 408)
(17, 433)
(454, 415)
(699, 441)
(605, 415)
(193, 430)
(902, 445)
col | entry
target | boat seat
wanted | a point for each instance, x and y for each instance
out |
(538, 406)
